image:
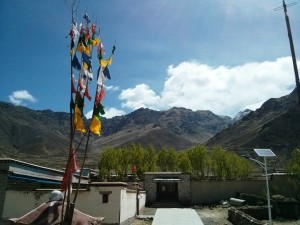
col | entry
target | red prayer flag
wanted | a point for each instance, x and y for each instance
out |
(71, 167)
(133, 168)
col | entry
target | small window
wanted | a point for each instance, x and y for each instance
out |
(105, 198)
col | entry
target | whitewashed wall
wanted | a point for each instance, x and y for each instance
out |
(90, 202)
(18, 203)
(128, 204)
(121, 206)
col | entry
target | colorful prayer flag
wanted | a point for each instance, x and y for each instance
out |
(106, 73)
(104, 63)
(87, 59)
(95, 125)
(100, 76)
(75, 63)
(78, 122)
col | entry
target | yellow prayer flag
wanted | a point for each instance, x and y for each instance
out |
(95, 125)
(78, 123)
(95, 41)
(80, 48)
(104, 63)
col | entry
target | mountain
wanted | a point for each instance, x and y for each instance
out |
(39, 134)
(241, 115)
(30, 134)
(195, 127)
(275, 125)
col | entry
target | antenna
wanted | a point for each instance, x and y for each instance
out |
(288, 5)
(284, 6)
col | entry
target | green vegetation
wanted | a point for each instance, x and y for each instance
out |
(293, 168)
(201, 163)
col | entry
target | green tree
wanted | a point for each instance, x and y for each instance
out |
(162, 160)
(184, 163)
(218, 162)
(233, 165)
(124, 162)
(172, 162)
(293, 168)
(108, 163)
(199, 159)
(150, 159)
(229, 165)
(136, 153)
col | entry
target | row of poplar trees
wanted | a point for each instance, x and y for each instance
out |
(120, 163)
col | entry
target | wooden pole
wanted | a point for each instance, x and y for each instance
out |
(292, 50)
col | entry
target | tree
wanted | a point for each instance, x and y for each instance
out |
(198, 158)
(184, 163)
(218, 162)
(236, 167)
(293, 168)
(108, 162)
(172, 162)
(150, 159)
(124, 162)
(162, 160)
(136, 153)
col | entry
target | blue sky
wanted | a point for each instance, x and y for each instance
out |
(220, 55)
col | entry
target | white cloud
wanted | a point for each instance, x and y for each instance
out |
(223, 90)
(21, 97)
(109, 113)
(89, 114)
(140, 96)
(112, 88)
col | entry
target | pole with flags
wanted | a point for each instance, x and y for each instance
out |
(85, 45)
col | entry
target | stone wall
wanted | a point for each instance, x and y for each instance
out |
(236, 216)
(184, 189)
(211, 192)
(281, 207)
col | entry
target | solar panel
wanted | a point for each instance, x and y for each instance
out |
(264, 152)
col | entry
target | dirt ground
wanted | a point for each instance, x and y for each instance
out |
(209, 215)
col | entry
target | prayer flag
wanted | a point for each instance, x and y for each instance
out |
(104, 63)
(113, 50)
(86, 17)
(100, 77)
(78, 123)
(87, 94)
(106, 73)
(87, 59)
(71, 167)
(95, 126)
(75, 63)
(95, 41)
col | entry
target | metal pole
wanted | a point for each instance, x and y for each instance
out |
(292, 50)
(268, 193)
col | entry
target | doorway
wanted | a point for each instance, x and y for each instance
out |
(167, 191)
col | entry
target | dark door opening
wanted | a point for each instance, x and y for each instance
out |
(167, 191)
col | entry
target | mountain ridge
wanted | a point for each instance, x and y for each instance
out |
(35, 133)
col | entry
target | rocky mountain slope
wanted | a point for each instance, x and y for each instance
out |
(275, 125)
(178, 128)
(28, 134)
(25, 132)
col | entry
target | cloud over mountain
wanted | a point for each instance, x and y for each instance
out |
(223, 90)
